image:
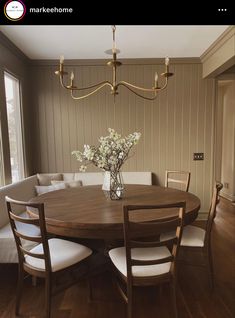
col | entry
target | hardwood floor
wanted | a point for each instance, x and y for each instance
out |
(193, 295)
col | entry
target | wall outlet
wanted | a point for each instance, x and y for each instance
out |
(198, 156)
(226, 185)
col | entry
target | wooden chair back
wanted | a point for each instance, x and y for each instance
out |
(212, 212)
(174, 178)
(18, 235)
(133, 231)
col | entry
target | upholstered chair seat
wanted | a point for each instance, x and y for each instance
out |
(192, 236)
(62, 253)
(118, 257)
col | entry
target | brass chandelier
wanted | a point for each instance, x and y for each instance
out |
(114, 85)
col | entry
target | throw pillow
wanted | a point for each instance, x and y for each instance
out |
(44, 179)
(68, 184)
(44, 189)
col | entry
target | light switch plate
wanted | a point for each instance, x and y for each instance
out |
(198, 156)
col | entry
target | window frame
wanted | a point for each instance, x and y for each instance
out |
(6, 177)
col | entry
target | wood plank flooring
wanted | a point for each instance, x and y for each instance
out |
(193, 295)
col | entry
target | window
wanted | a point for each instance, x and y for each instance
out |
(12, 91)
(1, 163)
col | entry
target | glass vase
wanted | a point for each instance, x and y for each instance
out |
(113, 185)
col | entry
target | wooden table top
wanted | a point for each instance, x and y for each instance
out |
(85, 212)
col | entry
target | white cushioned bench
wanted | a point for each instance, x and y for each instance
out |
(94, 178)
(25, 190)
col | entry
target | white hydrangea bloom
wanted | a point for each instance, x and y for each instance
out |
(111, 152)
(83, 168)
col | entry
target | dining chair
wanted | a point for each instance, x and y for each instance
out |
(177, 179)
(147, 261)
(48, 258)
(196, 238)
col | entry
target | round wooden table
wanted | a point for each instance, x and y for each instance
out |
(85, 212)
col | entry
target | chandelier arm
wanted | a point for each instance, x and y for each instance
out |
(130, 89)
(165, 85)
(82, 88)
(91, 93)
(142, 88)
(62, 83)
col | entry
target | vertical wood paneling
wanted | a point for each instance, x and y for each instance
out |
(185, 154)
(209, 139)
(57, 125)
(193, 127)
(178, 123)
(147, 136)
(42, 123)
(49, 117)
(170, 107)
(132, 117)
(65, 130)
(178, 115)
(200, 132)
(140, 121)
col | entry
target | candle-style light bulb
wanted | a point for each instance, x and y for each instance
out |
(61, 59)
(167, 61)
(72, 76)
(61, 65)
(114, 49)
(156, 79)
(71, 79)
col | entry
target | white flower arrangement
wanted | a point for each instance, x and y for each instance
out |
(110, 154)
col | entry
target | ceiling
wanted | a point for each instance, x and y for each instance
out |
(90, 42)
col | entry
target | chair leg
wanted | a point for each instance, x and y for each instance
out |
(210, 270)
(48, 297)
(129, 302)
(90, 290)
(173, 296)
(34, 281)
(19, 289)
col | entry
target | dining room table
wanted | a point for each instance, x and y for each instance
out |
(85, 212)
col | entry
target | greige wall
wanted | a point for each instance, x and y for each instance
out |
(178, 123)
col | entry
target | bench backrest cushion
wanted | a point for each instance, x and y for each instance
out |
(44, 179)
(23, 190)
(137, 178)
(96, 178)
(89, 178)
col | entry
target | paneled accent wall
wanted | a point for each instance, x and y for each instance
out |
(174, 126)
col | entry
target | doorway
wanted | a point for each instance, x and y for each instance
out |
(225, 135)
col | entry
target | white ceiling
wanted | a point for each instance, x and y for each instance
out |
(90, 42)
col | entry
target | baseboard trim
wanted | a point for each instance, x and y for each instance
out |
(202, 216)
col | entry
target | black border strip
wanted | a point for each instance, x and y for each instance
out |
(118, 12)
